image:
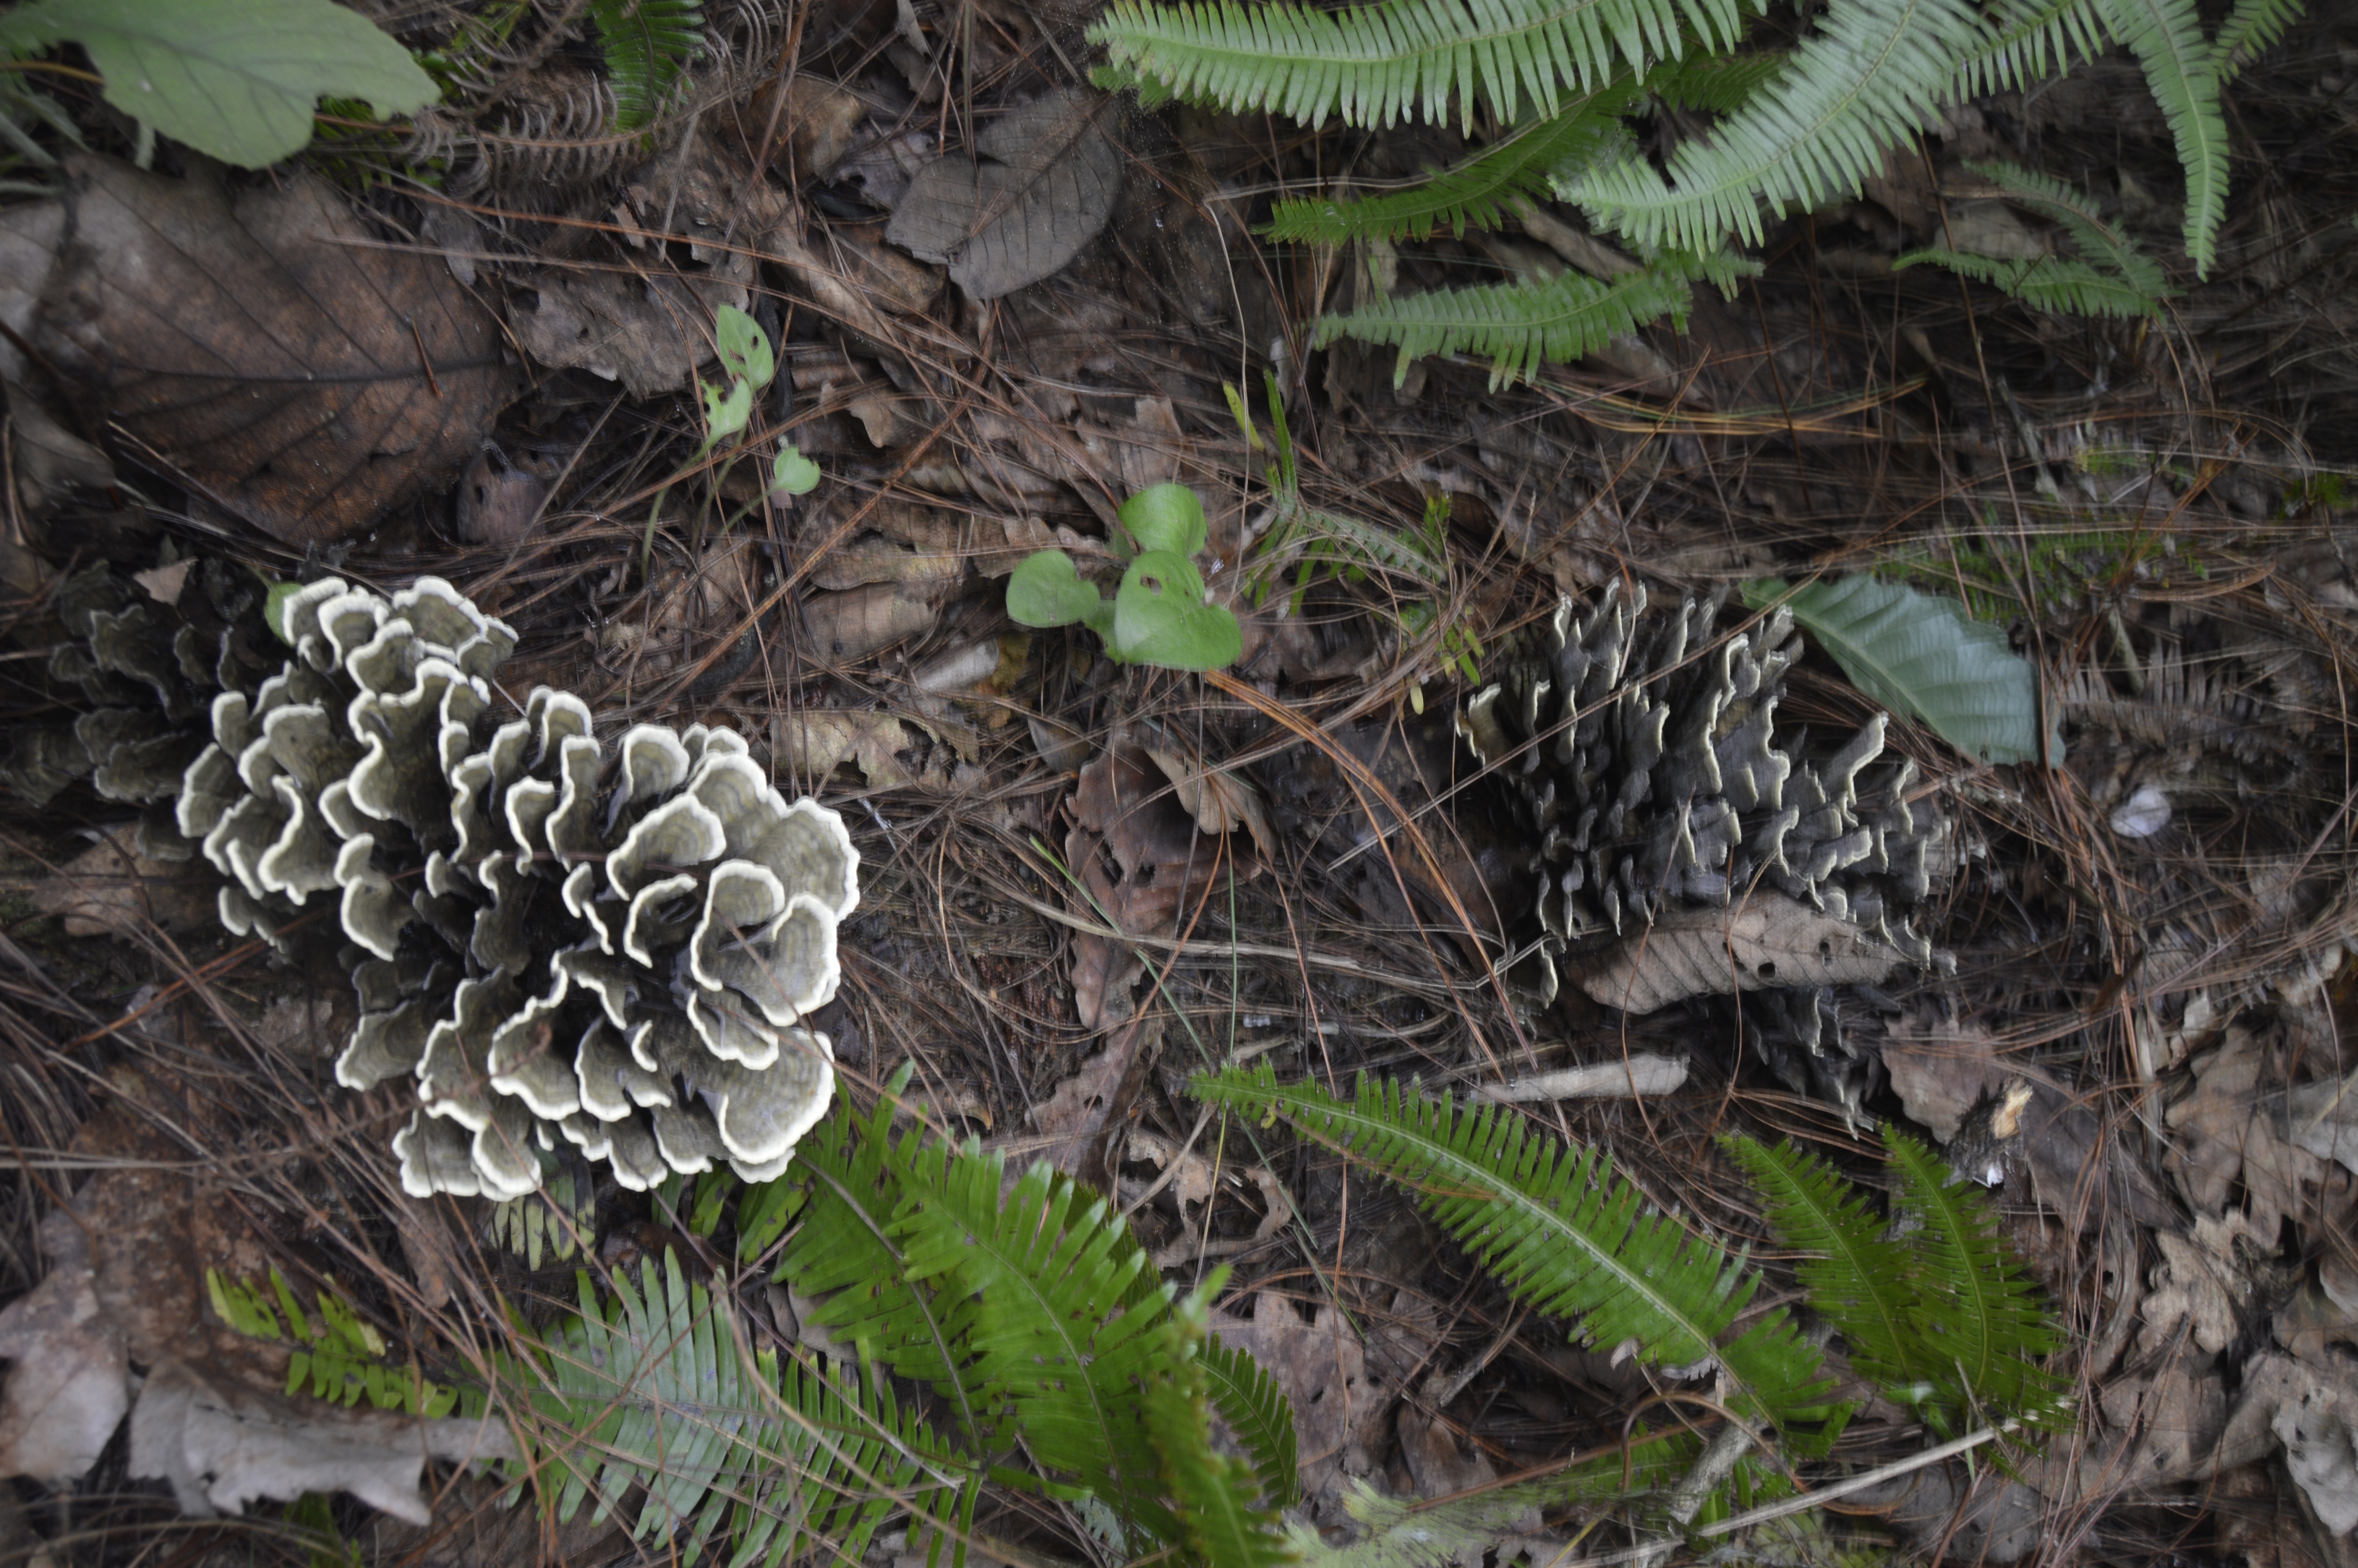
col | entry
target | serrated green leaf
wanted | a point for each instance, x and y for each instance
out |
(1926, 656)
(1160, 617)
(233, 79)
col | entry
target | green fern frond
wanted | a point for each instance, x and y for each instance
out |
(1520, 325)
(1563, 1233)
(1857, 1279)
(1058, 1328)
(844, 1255)
(2251, 30)
(1872, 73)
(1375, 65)
(2114, 278)
(647, 44)
(1710, 83)
(654, 1389)
(1257, 1411)
(2062, 284)
(1217, 1501)
(1472, 195)
(1976, 1312)
(2166, 39)
(2031, 40)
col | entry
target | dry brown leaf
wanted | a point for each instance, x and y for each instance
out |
(1075, 1114)
(72, 1382)
(811, 743)
(1124, 814)
(1767, 940)
(223, 1447)
(897, 543)
(2197, 1285)
(1042, 187)
(496, 504)
(1218, 800)
(1338, 1405)
(649, 334)
(2228, 1130)
(164, 584)
(300, 373)
(844, 628)
(1441, 1461)
(1644, 1073)
(110, 889)
(818, 121)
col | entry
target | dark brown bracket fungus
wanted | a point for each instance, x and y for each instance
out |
(556, 940)
(1644, 763)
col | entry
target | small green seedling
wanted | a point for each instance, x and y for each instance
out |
(744, 351)
(1162, 613)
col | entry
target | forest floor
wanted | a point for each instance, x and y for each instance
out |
(2152, 935)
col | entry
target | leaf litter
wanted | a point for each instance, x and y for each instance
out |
(2141, 1041)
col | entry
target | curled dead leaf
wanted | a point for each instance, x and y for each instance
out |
(847, 627)
(1219, 801)
(111, 889)
(1767, 940)
(296, 371)
(1039, 184)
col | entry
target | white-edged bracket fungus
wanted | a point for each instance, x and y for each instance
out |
(1645, 767)
(611, 944)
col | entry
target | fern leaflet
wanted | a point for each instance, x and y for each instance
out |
(1376, 64)
(1563, 1233)
(2032, 38)
(1474, 193)
(1976, 1310)
(2251, 30)
(1873, 72)
(654, 1389)
(2115, 279)
(2166, 39)
(647, 44)
(1256, 1408)
(1519, 325)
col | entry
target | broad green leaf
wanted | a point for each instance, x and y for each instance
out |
(1924, 655)
(793, 472)
(727, 413)
(1160, 617)
(1047, 592)
(274, 608)
(744, 347)
(235, 79)
(1166, 517)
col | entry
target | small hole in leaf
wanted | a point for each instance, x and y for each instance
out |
(1769, 969)
(1151, 584)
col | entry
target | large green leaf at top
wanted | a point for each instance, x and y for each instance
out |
(1926, 656)
(234, 79)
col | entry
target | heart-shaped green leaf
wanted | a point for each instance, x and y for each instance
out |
(725, 413)
(1047, 592)
(1160, 617)
(744, 347)
(793, 473)
(1165, 517)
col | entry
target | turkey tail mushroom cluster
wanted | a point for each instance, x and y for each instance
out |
(1642, 753)
(555, 940)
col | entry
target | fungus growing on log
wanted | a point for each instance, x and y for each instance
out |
(555, 939)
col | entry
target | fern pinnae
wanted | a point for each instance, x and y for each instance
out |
(1873, 72)
(1256, 1409)
(1858, 1280)
(1560, 1230)
(2166, 37)
(2063, 285)
(1976, 1310)
(1519, 326)
(1474, 194)
(1376, 64)
(647, 44)
(2029, 40)
(1055, 1329)
(2251, 30)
